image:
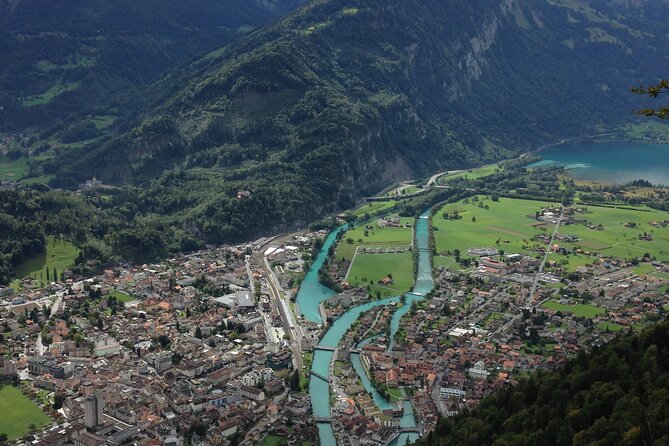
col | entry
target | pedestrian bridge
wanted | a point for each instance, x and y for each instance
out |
(324, 347)
(322, 420)
(410, 430)
(318, 375)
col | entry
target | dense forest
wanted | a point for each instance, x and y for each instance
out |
(617, 395)
(62, 61)
(104, 231)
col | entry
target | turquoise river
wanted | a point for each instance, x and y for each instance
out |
(312, 293)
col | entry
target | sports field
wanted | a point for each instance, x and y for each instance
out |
(18, 413)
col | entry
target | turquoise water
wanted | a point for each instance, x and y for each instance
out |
(611, 162)
(319, 389)
(312, 292)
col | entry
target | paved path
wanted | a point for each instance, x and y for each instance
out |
(543, 261)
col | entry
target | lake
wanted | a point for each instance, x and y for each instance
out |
(611, 162)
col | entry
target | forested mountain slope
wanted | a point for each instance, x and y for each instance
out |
(618, 395)
(63, 60)
(344, 96)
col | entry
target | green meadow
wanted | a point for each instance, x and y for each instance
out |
(373, 206)
(374, 267)
(121, 296)
(50, 94)
(471, 174)
(579, 310)
(13, 170)
(509, 225)
(508, 221)
(19, 413)
(59, 254)
(619, 240)
(376, 236)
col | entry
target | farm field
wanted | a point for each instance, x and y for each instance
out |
(507, 220)
(376, 236)
(374, 267)
(18, 413)
(579, 310)
(59, 254)
(509, 225)
(618, 240)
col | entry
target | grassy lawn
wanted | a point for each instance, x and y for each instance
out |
(50, 94)
(395, 394)
(579, 310)
(307, 360)
(643, 269)
(59, 254)
(447, 262)
(121, 296)
(273, 440)
(378, 237)
(374, 267)
(374, 206)
(13, 169)
(610, 325)
(18, 413)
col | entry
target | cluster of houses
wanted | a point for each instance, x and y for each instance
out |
(168, 346)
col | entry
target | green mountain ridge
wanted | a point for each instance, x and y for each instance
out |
(60, 61)
(343, 97)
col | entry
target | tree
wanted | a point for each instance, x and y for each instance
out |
(294, 381)
(653, 91)
(198, 333)
(58, 400)
(55, 274)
